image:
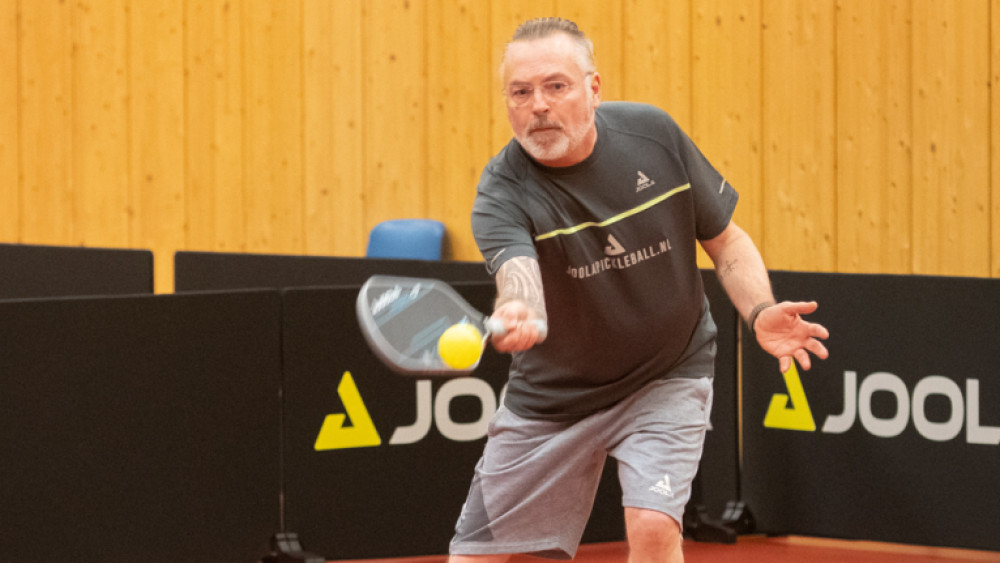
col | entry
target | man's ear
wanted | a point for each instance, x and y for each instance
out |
(595, 87)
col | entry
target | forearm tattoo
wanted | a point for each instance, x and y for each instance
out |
(520, 279)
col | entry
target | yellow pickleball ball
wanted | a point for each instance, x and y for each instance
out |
(460, 346)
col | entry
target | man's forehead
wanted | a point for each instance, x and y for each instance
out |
(540, 59)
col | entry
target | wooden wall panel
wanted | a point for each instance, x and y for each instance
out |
(157, 136)
(273, 135)
(100, 112)
(335, 181)
(214, 112)
(656, 58)
(862, 136)
(951, 137)
(726, 102)
(395, 114)
(48, 209)
(799, 129)
(459, 106)
(10, 154)
(995, 135)
(874, 137)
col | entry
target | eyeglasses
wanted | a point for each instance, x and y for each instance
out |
(552, 90)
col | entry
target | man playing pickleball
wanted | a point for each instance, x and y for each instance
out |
(589, 219)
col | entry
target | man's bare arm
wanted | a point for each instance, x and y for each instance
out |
(519, 279)
(520, 299)
(779, 328)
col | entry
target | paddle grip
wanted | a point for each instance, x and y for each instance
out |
(495, 326)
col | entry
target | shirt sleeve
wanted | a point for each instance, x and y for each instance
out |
(500, 225)
(714, 197)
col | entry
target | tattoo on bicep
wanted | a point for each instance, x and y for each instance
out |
(520, 279)
(730, 267)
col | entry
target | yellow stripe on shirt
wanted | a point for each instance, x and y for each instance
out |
(616, 218)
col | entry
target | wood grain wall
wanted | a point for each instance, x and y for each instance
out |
(864, 136)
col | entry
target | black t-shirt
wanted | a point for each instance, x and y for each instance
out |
(615, 238)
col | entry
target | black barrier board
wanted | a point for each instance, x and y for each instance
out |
(896, 437)
(30, 271)
(140, 428)
(196, 271)
(718, 475)
(389, 476)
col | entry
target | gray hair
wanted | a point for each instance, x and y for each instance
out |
(544, 27)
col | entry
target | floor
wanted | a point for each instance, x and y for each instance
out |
(759, 549)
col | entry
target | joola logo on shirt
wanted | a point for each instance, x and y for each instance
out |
(355, 428)
(643, 182)
(618, 258)
(791, 411)
(614, 248)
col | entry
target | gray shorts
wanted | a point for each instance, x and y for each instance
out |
(534, 486)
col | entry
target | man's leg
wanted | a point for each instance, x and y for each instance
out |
(653, 537)
(478, 558)
(658, 459)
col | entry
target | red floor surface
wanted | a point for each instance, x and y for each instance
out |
(763, 550)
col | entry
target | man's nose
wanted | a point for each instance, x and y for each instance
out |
(539, 103)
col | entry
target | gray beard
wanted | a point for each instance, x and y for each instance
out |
(547, 151)
(565, 143)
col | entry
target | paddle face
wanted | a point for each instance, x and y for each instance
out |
(403, 318)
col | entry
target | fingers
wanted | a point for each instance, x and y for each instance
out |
(799, 307)
(818, 331)
(521, 334)
(803, 358)
(522, 327)
(791, 338)
(784, 363)
(817, 348)
(802, 355)
(793, 311)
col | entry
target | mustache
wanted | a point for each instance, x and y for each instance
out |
(543, 123)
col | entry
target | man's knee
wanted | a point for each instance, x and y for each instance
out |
(652, 532)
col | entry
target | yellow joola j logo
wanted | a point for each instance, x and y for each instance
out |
(335, 435)
(354, 428)
(791, 411)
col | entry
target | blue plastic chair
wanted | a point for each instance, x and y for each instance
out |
(416, 239)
